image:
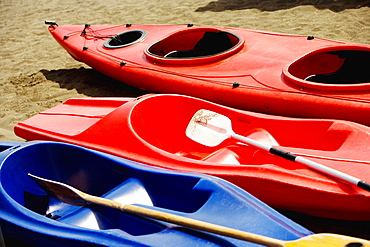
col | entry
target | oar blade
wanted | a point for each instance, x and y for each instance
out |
(61, 191)
(209, 128)
(328, 240)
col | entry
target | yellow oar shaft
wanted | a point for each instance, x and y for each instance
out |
(69, 194)
(203, 226)
(186, 222)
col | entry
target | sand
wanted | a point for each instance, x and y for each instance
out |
(37, 74)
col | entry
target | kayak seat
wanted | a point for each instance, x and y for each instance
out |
(188, 155)
(355, 69)
(223, 156)
(210, 44)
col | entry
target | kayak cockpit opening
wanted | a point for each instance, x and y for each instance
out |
(125, 39)
(98, 175)
(211, 43)
(354, 69)
(332, 69)
(195, 44)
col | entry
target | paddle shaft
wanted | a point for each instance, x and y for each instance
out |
(186, 222)
(71, 195)
(289, 156)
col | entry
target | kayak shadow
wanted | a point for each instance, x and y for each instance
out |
(274, 5)
(91, 83)
(359, 229)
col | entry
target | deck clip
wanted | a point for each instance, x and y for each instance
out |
(83, 33)
(236, 84)
(65, 37)
(128, 25)
(310, 37)
(190, 25)
(122, 63)
(85, 48)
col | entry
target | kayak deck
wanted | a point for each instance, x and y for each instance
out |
(41, 219)
(268, 72)
(151, 129)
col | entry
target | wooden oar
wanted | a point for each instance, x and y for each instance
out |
(210, 128)
(71, 195)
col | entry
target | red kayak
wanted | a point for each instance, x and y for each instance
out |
(266, 72)
(151, 129)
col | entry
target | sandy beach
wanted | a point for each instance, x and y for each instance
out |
(37, 74)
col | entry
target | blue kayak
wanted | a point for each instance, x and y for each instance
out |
(29, 215)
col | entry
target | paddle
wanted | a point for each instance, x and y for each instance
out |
(210, 128)
(71, 195)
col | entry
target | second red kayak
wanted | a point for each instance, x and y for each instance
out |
(274, 73)
(151, 129)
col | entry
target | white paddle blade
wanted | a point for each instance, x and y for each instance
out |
(209, 128)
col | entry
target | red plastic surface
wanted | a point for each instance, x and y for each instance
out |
(151, 129)
(270, 68)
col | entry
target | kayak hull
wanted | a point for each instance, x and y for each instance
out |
(29, 215)
(260, 71)
(151, 129)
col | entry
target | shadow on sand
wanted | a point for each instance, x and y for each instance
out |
(273, 5)
(91, 83)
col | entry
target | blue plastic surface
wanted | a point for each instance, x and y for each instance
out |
(27, 213)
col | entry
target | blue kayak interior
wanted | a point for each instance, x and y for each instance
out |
(128, 182)
(98, 176)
